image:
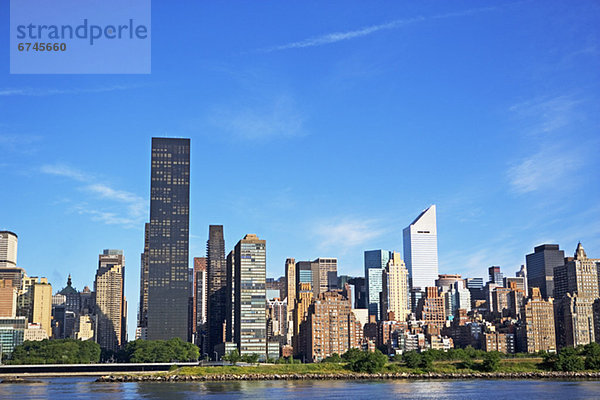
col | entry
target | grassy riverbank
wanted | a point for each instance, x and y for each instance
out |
(506, 366)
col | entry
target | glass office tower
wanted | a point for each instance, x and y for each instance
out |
(168, 240)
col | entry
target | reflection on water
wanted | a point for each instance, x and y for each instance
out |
(85, 388)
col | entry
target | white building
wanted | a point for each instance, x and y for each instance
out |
(8, 249)
(420, 249)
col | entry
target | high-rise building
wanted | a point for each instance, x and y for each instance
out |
(575, 290)
(331, 327)
(457, 297)
(216, 269)
(396, 288)
(304, 298)
(199, 306)
(540, 267)
(575, 325)
(327, 268)
(250, 296)
(41, 312)
(144, 265)
(375, 263)
(360, 292)
(431, 309)
(420, 249)
(8, 249)
(475, 287)
(110, 299)
(495, 275)
(168, 291)
(578, 274)
(230, 298)
(8, 299)
(290, 295)
(537, 332)
(522, 273)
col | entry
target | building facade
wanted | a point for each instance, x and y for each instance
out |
(144, 265)
(420, 249)
(216, 269)
(250, 296)
(110, 300)
(168, 243)
(376, 262)
(8, 249)
(331, 327)
(396, 288)
(538, 324)
(540, 267)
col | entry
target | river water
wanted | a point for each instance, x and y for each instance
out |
(85, 388)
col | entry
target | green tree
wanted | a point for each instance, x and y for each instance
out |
(568, 360)
(412, 359)
(233, 357)
(370, 362)
(592, 356)
(426, 360)
(62, 351)
(250, 358)
(334, 358)
(352, 355)
(491, 361)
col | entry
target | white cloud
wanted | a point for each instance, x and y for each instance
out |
(64, 170)
(278, 119)
(18, 143)
(135, 205)
(334, 37)
(36, 92)
(346, 233)
(549, 168)
(546, 114)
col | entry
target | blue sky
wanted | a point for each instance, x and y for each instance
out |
(323, 127)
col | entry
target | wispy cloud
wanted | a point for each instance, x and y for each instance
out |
(345, 233)
(51, 92)
(135, 205)
(551, 167)
(549, 126)
(546, 114)
(335, 37)
(64, 170)
(19, 143)
(275, 119)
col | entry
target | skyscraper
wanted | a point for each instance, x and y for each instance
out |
(143, 311)
(290, 295)
(250, 297)
(540, 267)
(327, 268)
(375, 263)
(575, 290)
(396, 288)
(168, 242)
(420, 249)
(495, 275)
(41, 308)
(537, 332)
(216, 269)
(110, 299)
(199, 307)
(8, 249)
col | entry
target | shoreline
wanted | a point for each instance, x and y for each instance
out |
(349, 376)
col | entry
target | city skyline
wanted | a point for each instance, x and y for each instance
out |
(355, 118)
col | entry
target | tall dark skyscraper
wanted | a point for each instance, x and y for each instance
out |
(168, 240)
(540, 267)
(143, 311)
(216, 268)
